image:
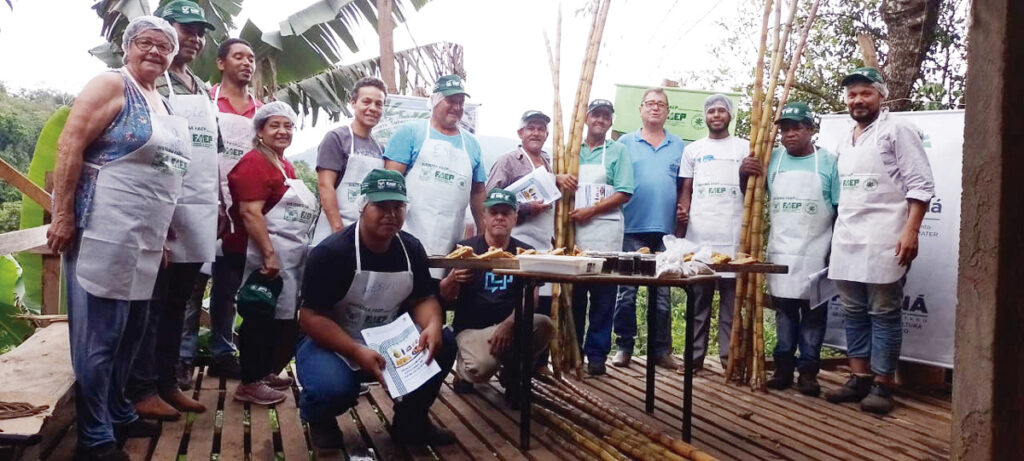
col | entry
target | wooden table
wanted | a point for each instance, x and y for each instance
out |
(524, 334)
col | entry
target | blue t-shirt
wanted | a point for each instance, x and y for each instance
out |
(404, 146)
(827, 170)
(653, 206)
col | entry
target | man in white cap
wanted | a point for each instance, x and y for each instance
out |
(443, 168)
(710, 212)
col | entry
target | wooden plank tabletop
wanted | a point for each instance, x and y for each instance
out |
(765, 268)
(609, 279)
(474, 264)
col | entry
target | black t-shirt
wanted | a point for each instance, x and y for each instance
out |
(488, 298)
(332, 265)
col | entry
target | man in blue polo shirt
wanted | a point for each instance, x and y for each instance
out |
(650, 214)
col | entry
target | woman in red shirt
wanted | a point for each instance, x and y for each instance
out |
(272, 214)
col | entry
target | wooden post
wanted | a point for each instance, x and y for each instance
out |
(51, 275)
(385, 29)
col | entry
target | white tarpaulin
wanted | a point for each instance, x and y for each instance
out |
(399, 109)
(929, 302)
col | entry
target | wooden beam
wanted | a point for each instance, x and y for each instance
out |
(33, 240)
(385, 29)
(26, 186)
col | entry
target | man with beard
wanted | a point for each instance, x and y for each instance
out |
(650, 215)
(804, 187)
(443, 168)
(886, 185)
(345, 155)
(710, 212)
(152, 384)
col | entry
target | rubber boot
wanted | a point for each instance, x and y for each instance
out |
(807, 383)
(855, 389)
(879, 400)
(782, 377)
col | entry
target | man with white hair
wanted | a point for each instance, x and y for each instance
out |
(885, 187)
(709, 213)
(443, 168)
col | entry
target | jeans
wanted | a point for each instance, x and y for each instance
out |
(874, 322)
(699, 297)
(597, 342)
(154, 368)
(227, 278)
(625, 304)
(330, 387)
(105, 335)
(190, 330)
(797, 326)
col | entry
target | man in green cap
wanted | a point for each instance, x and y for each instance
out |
(885, 187)
(443, 168)
(152, 385)
(485, 303)
(804, 187)
(362, 277)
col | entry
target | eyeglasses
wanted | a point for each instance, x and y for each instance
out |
(655, 104)
(145, 45)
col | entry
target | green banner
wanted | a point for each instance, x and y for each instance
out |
(685, 111)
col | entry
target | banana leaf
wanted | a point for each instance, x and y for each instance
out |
(12, 330)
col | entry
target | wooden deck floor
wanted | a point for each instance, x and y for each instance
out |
(729, 422)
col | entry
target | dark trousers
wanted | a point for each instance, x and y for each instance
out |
(798, 327)
(659, 304)
(227, 278)
(594, 328)
(154, 368)
(265, 345)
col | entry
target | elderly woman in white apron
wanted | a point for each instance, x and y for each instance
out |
(121, 162)
(277, 221)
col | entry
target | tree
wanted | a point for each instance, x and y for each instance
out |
(308, 46)
(911, 25)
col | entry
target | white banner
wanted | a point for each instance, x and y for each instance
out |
(399, 109)
(929, 301)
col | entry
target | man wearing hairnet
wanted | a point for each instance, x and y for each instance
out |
(709, 213)
(885, 187)
(443, 168)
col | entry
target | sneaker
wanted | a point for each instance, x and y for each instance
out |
(183, 375)
(138, 429)
(326, 435)
(855, 389)
(281, 383)
(622, 359)
(807, 383)
(429, 435)
(879, 400)
(225, 367)
(668, 362)
(461, 386)
(596, 368)
(364, 389)
(102, 452)
(259, 393)
(154, 407)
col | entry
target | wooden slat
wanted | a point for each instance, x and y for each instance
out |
(167, 445)
(505, 448)
(42, 366)
(355, 444)
(200, 441)
(380, 398)
(293, 438)
(232, 432)
(24, 185)
(23, 240)
(138, 448)
(66, 447)
(260, 432)
(473, 443)
(377, 432)
(540, 440)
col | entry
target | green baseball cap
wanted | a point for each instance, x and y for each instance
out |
(183, 12)
(499, 196)
(797, 112)
(259, 292)
(863, 75)
(534, 114)
(449, 85)
(600, 104)
(384, 185)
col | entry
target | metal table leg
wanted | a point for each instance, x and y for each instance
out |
(688, 371)
(651, 322)
(524, 331)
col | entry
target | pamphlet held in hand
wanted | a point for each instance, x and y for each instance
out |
(404, 370)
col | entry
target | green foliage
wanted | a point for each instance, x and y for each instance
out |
(22, 116)
(12, 331)
(308, 176)
(10, 215)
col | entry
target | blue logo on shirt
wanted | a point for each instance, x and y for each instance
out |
(706, 158)
(493, 283)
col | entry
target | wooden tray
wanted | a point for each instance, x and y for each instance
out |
(474, 264)
(764, 268)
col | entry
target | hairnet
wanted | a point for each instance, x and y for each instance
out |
(882, 88)
(435, 99)
(144, 23)
(271, 109)
(361, 203)
(719, 100)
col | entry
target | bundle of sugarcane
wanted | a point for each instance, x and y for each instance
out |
(565, 353)
(746, 351)
(620, 434)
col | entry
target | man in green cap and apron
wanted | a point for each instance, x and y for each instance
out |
(804, 186)
(886, 185)
(362, 277)
(444, 170)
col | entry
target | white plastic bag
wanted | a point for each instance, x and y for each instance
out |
(669, 263)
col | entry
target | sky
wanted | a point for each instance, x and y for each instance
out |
(45, 43)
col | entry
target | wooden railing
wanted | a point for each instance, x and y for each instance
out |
(34, 240)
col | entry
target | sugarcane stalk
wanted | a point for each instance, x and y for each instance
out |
(566, 445)
(584, 439)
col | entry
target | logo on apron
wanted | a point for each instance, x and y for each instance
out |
(870, 184)
(811, 208)
(233, 153)
(850, 184)
(201, 140)
(169, 163)
(299, 213)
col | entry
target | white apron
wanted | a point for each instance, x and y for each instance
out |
(347, 191)
(373, 299)
(194, 223)
(237, 134)
(288, 224)
(438, 186)
(122, 242)
(801, 229)
(716, 207)
(605, 232)
(538, 229)
(872, 213)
